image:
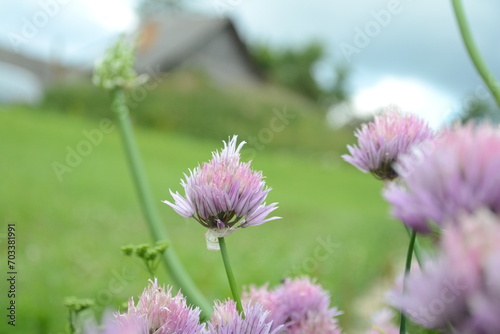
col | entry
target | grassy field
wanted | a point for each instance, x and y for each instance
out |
(70, 228)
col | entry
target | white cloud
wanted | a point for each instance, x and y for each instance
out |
(115, 15)
(411, 95)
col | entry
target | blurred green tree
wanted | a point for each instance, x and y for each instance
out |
(294, 69)
(478, 110)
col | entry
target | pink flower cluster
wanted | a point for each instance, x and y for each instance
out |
(300, 305)
(296, 307)
(448, 181)
(449, 185)
(461, 287)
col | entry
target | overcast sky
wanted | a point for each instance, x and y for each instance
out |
(404, 51)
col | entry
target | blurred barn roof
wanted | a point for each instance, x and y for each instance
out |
(211, 45)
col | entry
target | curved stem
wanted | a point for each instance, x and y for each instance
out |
(71, 326)
(179, 275)
(417, 249)
(230, 276)
(409, 255)
(474, 54)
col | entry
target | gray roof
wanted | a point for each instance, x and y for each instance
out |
(168, 41)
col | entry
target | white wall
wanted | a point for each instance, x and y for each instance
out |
(18, 85)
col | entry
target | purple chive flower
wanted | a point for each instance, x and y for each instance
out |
(456, 172)
(302, 306)
(163, 312)
(382, 141)
(224, 194)
(227, 320)
(461, 287)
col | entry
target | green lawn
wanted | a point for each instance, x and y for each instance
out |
(69, 233)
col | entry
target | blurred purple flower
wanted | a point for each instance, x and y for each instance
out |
(224, 194)
(112, 325)
(458, 172)
(163, 313)
(300, 305)
(381, 142)
(461, 287)
(226, 320)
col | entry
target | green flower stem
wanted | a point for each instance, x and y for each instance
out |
(417, 249)
(409, 255)
(71, 326)
(170, 259)
(230, 276)
(474, 54)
